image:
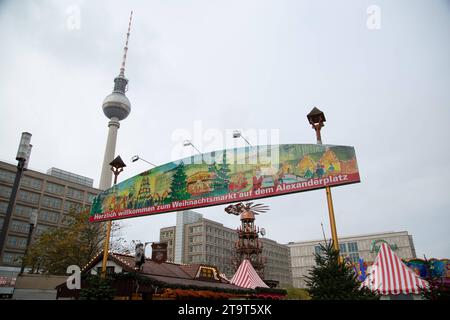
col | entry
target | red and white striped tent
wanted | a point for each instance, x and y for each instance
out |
(390, 276)
(246, 276)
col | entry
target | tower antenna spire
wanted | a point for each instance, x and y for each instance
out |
(125, 49)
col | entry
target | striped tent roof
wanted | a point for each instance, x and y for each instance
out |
(246, 276)
(390, 276)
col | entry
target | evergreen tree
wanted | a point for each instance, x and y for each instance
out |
(144, 196)
(131, 201)
(222, 179)
(178, 185)
(212, 167)
(97, 205)
(332, 279)
(97, 288)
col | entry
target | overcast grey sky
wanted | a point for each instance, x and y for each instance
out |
(250, 65)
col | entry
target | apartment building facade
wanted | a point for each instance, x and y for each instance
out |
(207, 241)
(354, 247)
(52, 195)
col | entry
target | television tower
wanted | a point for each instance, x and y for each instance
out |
(116, 107)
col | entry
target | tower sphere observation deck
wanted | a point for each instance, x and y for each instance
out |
(116, 105)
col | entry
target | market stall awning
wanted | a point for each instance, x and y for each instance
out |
(390, 276)
(246, 276)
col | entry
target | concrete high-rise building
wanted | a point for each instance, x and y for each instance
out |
(183, 218)
(116, 107)
(354, 247)
(198, 240)
(278, 262)
(52, 195)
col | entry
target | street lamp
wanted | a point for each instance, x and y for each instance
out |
(189, 143)
(136, 158)
(27, 160)
(316, 118)
(117, 166)
(33, 222)
(238, 134)
(23, 154)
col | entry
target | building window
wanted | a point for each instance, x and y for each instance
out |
(109, 270)
(29, 197)
(30, 182)
(50, 202)
(75, 194)
(48, 216)
(3, 207)
(40, 229)
(7, 176)
(352, 247)
(207, 273)
(16, 242)
(343, 248)
(5, 192)
(72, 206)
(12, 258)
(8, 257)
(54, 188)
(20, 227)
(195, 239)
(22, 211)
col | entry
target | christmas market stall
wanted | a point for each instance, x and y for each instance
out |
(247, 277)
(121, 276)
(153, 279)
(392, 278)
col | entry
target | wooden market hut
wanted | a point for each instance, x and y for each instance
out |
(158, 279)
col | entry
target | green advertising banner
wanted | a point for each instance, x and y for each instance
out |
(226, 176)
